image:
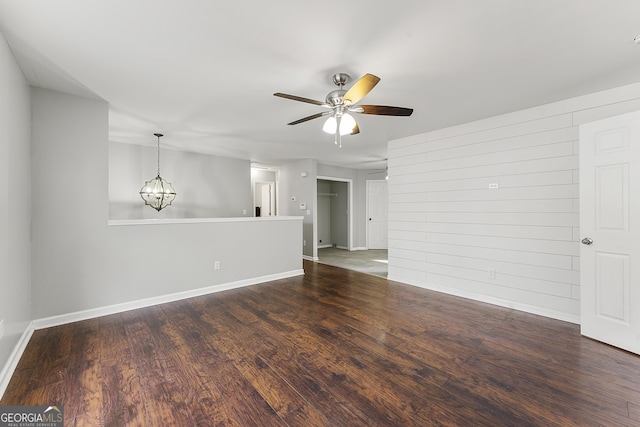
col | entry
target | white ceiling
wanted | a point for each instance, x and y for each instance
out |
(203, 72)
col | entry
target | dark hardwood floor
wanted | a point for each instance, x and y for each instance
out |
(332, 348)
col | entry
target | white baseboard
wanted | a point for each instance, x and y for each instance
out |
(565, 317)
(62, 319)
(310, 258)
(11, 365)
(359, 248)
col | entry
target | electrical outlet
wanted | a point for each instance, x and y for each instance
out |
(1, 328)
(491, 272)
(216, 265)
(304, 243)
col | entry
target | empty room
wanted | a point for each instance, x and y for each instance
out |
(285, 213)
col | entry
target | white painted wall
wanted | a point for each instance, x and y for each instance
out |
(447, 227)
(207, 186)
(304, 189)
(82, 263)
(15, 201)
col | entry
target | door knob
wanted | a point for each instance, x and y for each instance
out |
(587, 241)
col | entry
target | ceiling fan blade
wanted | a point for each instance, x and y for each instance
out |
(313, 116)
(299, 98)
(356, 130)
(383, 110)
(360, 89)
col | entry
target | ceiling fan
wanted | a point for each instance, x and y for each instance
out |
(341, 102)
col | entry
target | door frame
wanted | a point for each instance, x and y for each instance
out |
(350, 216)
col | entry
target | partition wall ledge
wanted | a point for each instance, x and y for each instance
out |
(164, 221)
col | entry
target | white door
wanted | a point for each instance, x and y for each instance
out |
(610, 231)
(377, 214)
(264, 198)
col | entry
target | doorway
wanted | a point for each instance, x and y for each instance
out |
(264, 185)
(343, 221)
(264, 198)
(333, 218)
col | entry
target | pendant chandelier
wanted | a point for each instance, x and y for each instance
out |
(157, 192)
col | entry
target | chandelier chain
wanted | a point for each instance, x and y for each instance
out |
(158, 135)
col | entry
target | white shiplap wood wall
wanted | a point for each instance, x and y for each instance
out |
(448, 228)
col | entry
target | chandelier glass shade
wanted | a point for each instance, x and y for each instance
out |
(157, 192)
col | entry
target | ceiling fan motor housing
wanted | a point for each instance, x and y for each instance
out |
(335, 97)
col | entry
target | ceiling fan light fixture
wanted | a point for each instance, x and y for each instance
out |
(330, 125)
(347, 124)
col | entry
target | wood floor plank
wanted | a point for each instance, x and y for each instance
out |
(375, 396)
(371, 348)
(43, 364)
(276, 391)
(122, 395)
(538, 395)
(285, 359)
(208, 402)
(330, 348)
(634, 412)
(161, 395)
(236, 402)
(555, 360)
(84, 373)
